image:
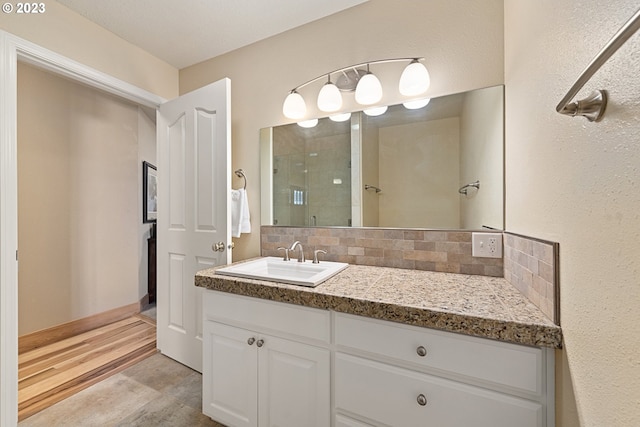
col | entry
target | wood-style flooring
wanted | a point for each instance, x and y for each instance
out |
(54, 372)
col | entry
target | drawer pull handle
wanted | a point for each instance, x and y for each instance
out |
(251, 340)
(421, 351)
(422, 400)
(260, 343)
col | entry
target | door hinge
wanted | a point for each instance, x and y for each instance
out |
(16, 254)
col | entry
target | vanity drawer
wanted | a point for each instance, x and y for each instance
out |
(513, 366)
(394, 396)
(261, 315)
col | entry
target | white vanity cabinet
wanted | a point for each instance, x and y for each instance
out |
(265, 364)
(268, 363)
(389, 374)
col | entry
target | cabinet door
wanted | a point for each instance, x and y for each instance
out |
(294, 385)
(229, 376)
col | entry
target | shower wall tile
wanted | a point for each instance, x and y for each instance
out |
(443, 251)
(531, 265)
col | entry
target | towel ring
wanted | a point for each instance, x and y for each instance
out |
(240, 174)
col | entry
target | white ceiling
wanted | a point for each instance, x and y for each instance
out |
(185, 32)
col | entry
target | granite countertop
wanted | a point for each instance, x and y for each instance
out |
(480, 306)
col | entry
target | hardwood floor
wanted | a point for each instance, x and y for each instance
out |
(51, 373)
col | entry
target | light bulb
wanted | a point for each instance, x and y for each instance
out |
(329, 98)
(375, 111)
(308, 123)
(294, 106)
(416, 103)
(368, 90)
(342, 117)
(414, 79)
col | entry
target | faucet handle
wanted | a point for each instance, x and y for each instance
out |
(286, 253)
(315, 255)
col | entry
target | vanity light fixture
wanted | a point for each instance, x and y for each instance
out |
(375, 111)
(414, 80)
(294, 106)
(342, 117)
(416, 104)
(369, 89)
(329, 98)
(308, 123)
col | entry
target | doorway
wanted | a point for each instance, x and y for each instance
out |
(13, 49)
(80, 230)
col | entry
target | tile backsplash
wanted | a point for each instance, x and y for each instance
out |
(439, 250)
(531, 265)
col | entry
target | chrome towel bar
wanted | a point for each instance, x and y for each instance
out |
(594, 105)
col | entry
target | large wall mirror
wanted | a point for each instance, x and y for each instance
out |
(438, 167)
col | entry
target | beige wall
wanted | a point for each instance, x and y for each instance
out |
(78, 200)
(67, 33)
(576, 182)
(482, 158)
(455, 37)
(420, 174)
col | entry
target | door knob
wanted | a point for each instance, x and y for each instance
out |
(218, 247)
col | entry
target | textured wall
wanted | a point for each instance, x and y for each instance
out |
(576, 183)
(454, 36)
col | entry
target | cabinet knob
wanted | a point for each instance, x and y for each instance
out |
(260, 343)
(251, 340)
(421, 351)
(422, 400)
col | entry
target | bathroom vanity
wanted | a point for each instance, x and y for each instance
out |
(376, 346)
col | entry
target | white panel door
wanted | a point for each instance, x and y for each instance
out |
(194, 183)
(293, 384)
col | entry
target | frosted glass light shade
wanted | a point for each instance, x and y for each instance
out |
(368, 90)
(329, 98)
(308, 123)
(294, 106)
(342, 117)
(375, 111)
(414, 80)
(416, 104)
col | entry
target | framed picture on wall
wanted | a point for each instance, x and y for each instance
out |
(149, 193)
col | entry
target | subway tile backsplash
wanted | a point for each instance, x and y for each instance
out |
(444, 251)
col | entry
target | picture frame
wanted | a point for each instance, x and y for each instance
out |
(149, 193)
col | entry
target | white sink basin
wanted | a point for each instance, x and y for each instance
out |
(292, 272)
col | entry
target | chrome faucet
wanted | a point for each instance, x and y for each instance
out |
(300, 250)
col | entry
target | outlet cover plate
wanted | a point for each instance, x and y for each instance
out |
(486, 245)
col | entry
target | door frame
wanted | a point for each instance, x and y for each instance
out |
(12, 50)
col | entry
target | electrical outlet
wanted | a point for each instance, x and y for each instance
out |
(486, 245)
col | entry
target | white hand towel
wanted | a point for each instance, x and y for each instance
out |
(240, 219)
